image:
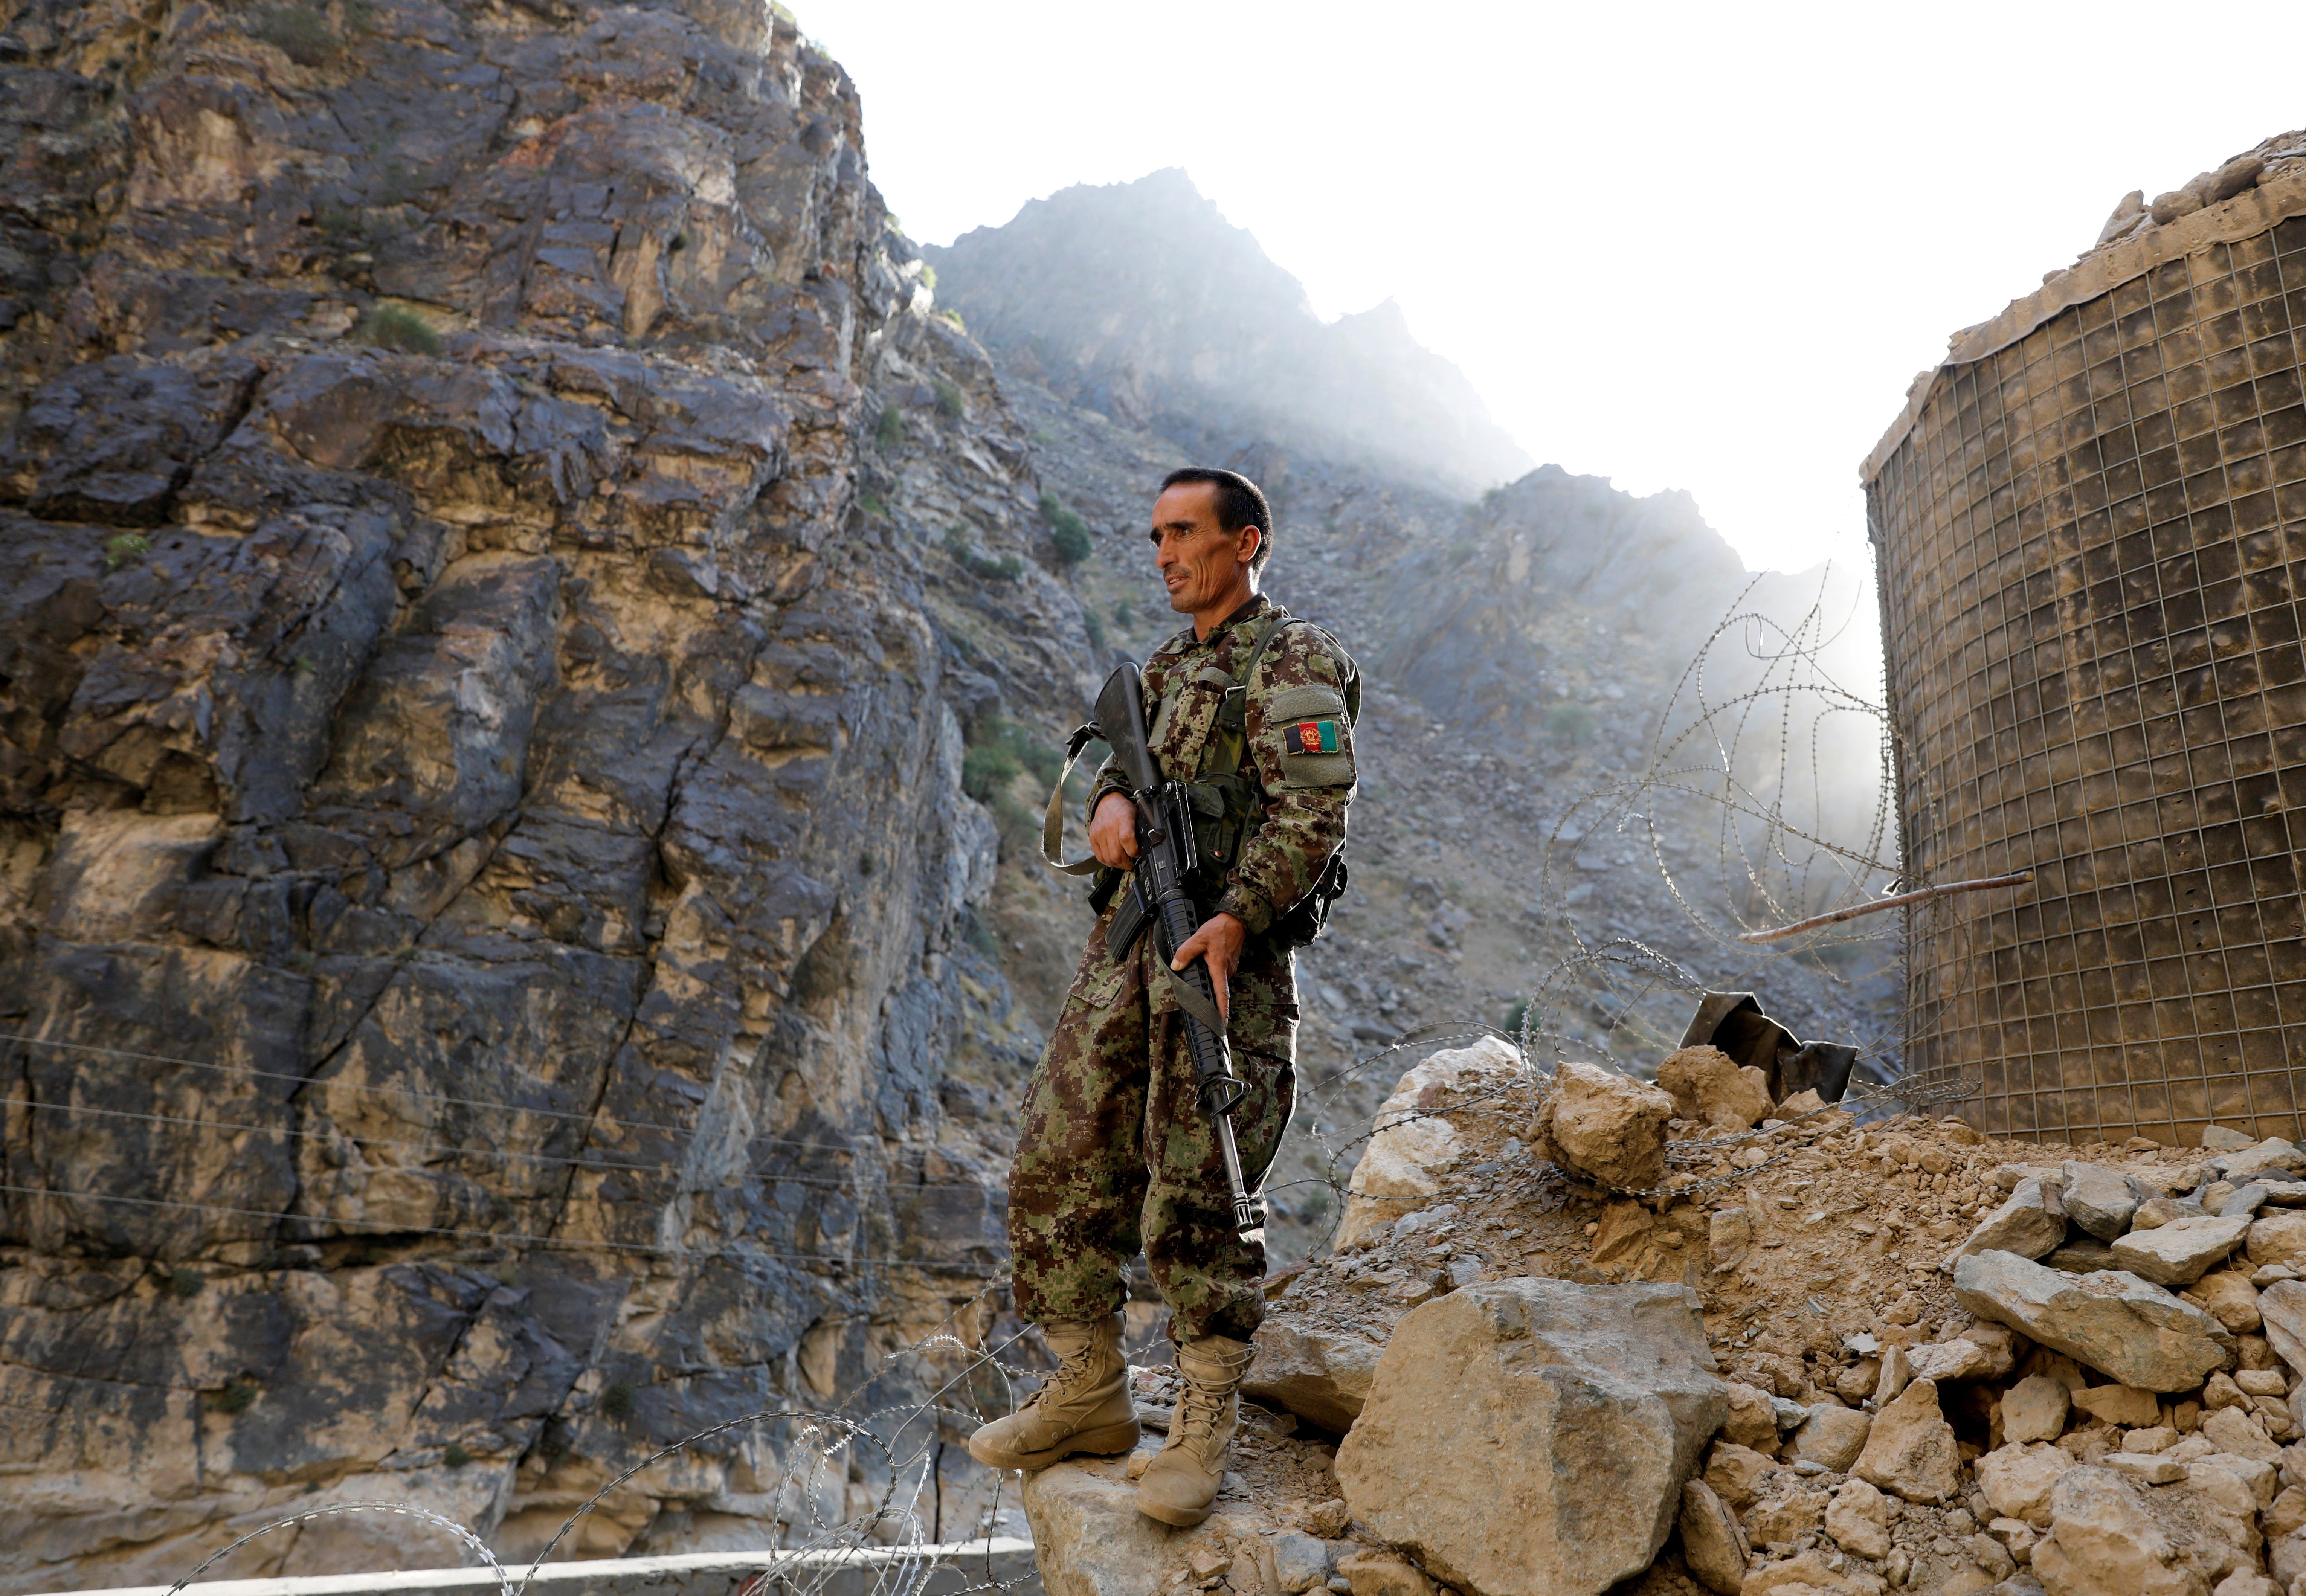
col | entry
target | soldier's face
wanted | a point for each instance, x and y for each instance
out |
(1200, 562)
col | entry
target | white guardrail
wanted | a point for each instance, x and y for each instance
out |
(839, 1571)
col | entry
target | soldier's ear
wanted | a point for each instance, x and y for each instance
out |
(1245, 552)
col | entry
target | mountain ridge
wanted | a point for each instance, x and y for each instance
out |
(1142, 301)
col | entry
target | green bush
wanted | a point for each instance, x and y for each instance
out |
(390, 327)
(928, 272)
(1008, 568)
(954, 317)
(297, 31)
(121, 548)
(187, 1282)
(1000, 751)
(1094, 625)
(1067, 530)
(949, 399)
(889, 432)
(235, 1398)
(455, 1456)
(987, 769)
(617, 1401)
(874, 508)
(1570, 723)
(1124, 614)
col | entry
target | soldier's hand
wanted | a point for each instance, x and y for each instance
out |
(1218, 941)
(1113, 831)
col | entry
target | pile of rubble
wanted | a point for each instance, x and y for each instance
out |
(1812, 1356)
(2134, 215)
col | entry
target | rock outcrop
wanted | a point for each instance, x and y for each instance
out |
(1887, 1426)
(1605, 1126)
(486, 935)
(2134, 1331)
(1587, 1407)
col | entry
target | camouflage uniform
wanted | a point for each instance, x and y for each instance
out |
(1115, 1152)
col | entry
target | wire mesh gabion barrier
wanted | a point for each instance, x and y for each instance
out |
(2090, 525)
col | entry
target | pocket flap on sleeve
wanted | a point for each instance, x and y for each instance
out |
(1308, 703)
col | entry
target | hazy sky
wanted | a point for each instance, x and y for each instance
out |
(1696, 246)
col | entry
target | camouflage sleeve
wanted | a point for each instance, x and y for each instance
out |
(1108, 779)
(1301, 745)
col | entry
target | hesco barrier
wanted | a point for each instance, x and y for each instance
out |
(2091, 527)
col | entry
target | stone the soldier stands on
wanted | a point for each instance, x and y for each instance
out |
(1255, 709)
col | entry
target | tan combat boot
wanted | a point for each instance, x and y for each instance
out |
(1179, 1486)
(1082, 1407)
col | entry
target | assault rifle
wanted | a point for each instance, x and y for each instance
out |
(1164, 853)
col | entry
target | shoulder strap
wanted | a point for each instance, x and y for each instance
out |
(1249, 670)
(1053, 822)
(1233, 712)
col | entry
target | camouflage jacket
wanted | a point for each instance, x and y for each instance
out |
(1299, 754)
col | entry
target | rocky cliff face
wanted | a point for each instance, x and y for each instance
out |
(1141, 302)
(511, 584)
(484, 930)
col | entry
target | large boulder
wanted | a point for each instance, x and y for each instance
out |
(2105, 1538)
(1383, 1574)
(1412, 1147)
(2098, 1199)
(2124, 1327)
(2273, 1154)
(1713, 1541)
(2281, 1311)
(1090, 1540)
(1606, 1126)
(2035, 1409)
(1985, 1351)
(2031, 1224)
(1530, 1438)
(1832, 1436)
(1859, 1520)
(2232, 1299)
(2278, 1238)
(2019, 1478)
(2182, 1251)
(1708, 1086)
(1317, 1372)
(1911, 1447)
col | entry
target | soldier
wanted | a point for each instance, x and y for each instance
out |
(1254, 708)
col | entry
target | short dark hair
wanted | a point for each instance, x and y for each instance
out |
(1239, 503)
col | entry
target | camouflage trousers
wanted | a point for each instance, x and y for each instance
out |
(1114, 1152)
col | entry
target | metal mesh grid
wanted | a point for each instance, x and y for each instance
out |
(2090, 546)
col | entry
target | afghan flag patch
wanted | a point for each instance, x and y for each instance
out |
(1311, 736)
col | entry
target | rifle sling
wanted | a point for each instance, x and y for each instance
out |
(1053, 822)
(1194, 1005)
